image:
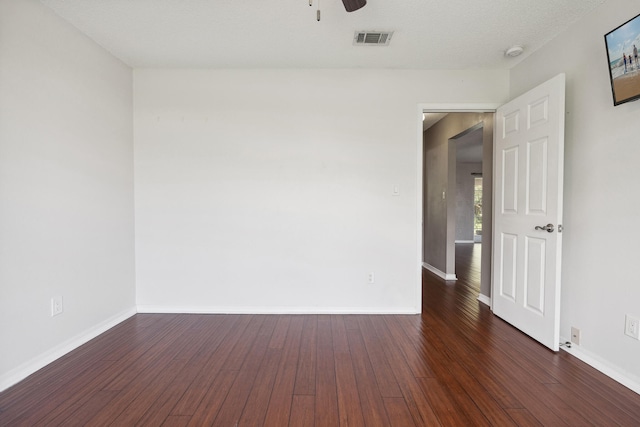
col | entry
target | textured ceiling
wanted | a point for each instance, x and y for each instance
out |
(429, 34)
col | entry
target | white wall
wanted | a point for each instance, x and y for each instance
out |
(66, 188)
(271, 191)
(602, 204)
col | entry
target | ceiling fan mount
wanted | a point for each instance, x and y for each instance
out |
(349, 5)
(352, 5)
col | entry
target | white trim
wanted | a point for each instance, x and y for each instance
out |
(272, 310)
(465, 241)
(441, 274)
(485, 300)
(419, 194)
(625, 378)
(29, 367)
(488, 107)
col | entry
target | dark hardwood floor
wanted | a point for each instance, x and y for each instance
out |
(456, 364)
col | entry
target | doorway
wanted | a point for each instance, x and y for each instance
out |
(528, 191)
(440, 202)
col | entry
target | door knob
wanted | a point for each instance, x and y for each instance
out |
(548, 228)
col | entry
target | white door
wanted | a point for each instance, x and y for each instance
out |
(527, 230)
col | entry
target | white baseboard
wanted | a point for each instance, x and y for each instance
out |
(273, 310)
(465, 241)
(439, 273)
(485, 300)
(627, 379)
(24, 370)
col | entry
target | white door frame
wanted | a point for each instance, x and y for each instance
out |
(488, 107)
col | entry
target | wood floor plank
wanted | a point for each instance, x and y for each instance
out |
(326, 394)
(306, 372)
(143, 401)
(351, 322)
(373, 409)
(454, 381)
(463, 403)
(81, 395)
(242, 348)
(596, 416)
(465, 389)
(444, 406)
(476, 368)
(200, 363)
(339, 334)
(398, 412)
(96, 403)
(479, 395)
(233, 406)
(416, 363)
(523, 418)
(143, 382)
(418, 405)
(302, 411)
(280, 403)
(176, 421)
(46, 382)
(524, 388)
(146, 332)
(385, 379)
(280, 332)
(196, 391)
(590, 384)
(349, 406)
(38, 410)
(210, 405)
(163, 350)
(535, 396)
(255, 410)
(200, 324)
(540, 372)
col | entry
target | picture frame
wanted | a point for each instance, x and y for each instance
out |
(623, 46)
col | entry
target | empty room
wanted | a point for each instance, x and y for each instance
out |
(249, 213)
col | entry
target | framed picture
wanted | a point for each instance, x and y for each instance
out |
(622, 45)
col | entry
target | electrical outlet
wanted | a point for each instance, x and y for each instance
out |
(371, 278)
(575, 335)
(56, 306)
(632, 326)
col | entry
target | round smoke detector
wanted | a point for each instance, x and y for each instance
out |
(514, 51)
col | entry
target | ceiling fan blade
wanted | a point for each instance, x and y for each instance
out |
(352, 5)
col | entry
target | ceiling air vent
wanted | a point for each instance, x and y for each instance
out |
(372, 38)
